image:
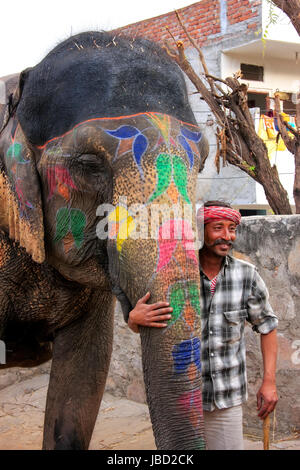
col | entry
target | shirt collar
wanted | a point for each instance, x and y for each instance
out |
(225, 263)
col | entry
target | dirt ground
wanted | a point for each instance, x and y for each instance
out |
(121, 424)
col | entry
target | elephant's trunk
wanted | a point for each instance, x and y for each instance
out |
(173, 386)
(171, 356)
(153, 249)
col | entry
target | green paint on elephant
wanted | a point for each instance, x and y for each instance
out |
(70, 220)
(164, 174)
(177, 301)
(168, 166)
(179, 297)
(180, 177)
(78, 223)
(200, 444)
(15, 152)
(194, 298)
(62, 224)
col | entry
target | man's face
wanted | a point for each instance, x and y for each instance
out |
(219, 236)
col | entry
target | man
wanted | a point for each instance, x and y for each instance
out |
(231, 292)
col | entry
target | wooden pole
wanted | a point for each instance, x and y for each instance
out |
(266, 431)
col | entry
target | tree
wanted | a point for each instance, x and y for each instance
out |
(238, 142)
(292, 9)
(290, 135)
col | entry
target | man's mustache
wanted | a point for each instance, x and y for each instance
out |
(221, 241)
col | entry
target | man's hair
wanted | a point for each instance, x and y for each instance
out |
(217, 203)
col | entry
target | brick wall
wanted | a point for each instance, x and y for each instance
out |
(202, 20)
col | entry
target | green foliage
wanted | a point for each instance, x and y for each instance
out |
(272, 19)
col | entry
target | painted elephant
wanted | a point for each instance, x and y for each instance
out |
(97, 141)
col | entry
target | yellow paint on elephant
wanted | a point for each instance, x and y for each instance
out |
(162, 122)
(121, 225)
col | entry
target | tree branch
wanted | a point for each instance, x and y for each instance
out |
(201, 56)
(292, 10)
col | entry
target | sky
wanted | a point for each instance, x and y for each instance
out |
(31, 28)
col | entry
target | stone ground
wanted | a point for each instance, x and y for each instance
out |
(121, 424)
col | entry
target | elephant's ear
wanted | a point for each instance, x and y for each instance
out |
(11, 88)
(24, 213)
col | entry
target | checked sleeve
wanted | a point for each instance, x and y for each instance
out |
(260, 312)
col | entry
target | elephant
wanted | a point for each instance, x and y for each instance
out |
(94, 140)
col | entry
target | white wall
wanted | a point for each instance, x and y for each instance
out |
(278, 73)
(285, 164)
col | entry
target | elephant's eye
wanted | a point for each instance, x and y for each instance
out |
(90, 162)
(89, 158)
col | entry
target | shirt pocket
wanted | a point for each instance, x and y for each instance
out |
(233, 325)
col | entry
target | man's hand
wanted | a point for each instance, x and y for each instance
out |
(266, 399)
(149, 315)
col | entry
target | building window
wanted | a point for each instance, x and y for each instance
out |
(258, 100)
(252, 72)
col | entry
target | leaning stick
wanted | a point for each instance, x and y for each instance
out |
(266, 431)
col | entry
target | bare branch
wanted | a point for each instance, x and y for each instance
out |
(201, 56)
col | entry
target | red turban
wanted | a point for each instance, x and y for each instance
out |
(212, 213)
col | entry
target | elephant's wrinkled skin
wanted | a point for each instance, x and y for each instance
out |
(98, 119)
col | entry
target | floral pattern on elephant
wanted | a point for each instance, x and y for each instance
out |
(187, 357)
(183, 298)
(121, 225)
(70, 225)
(171, 175)
(15, 158)
(187, 140)
(139, 143)
(172, 233)
(191, 403)
(162, 123)
(59, 180)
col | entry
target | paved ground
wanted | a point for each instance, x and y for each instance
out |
(121, 424)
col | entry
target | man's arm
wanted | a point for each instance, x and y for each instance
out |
(265, 322)
(267, 394)
(149, 314)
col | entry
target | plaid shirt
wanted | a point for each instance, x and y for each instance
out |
(240, 295)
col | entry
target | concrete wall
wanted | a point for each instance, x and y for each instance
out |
(273, 245)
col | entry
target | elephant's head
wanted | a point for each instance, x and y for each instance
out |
(105, 124)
